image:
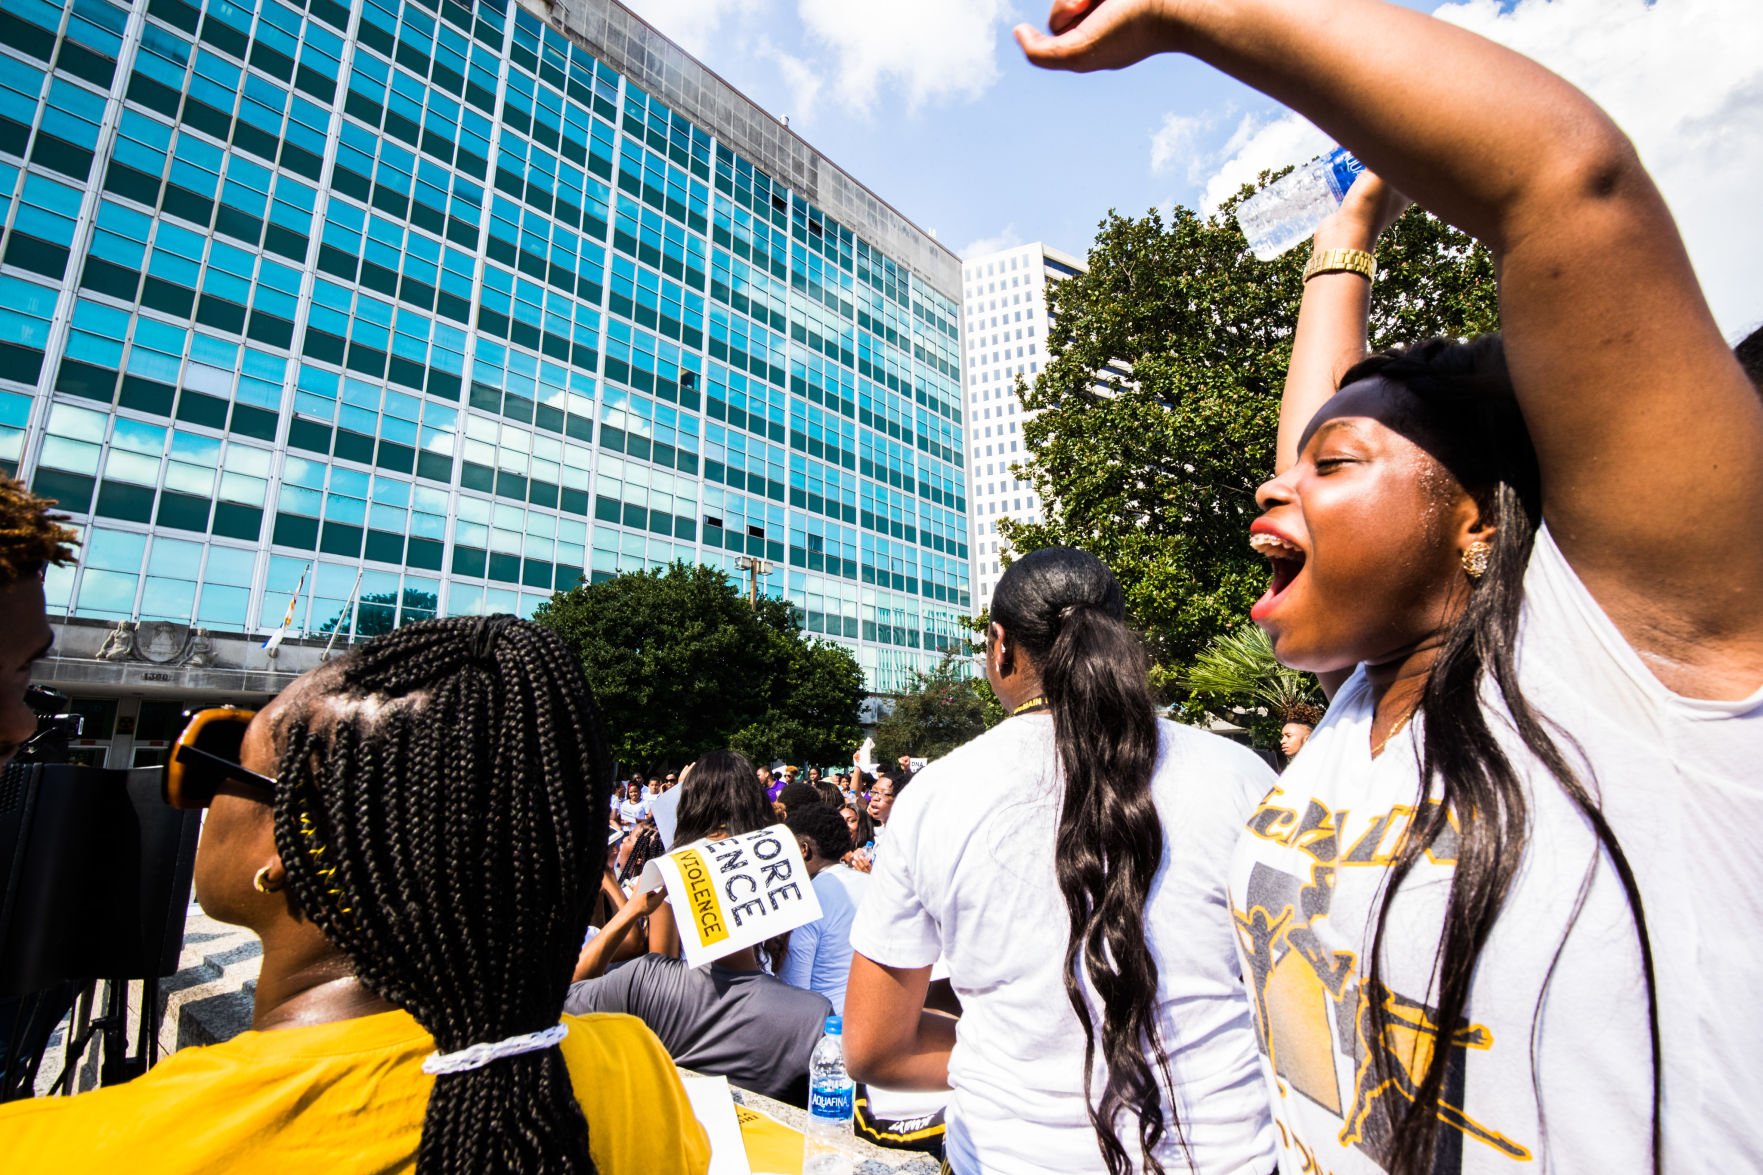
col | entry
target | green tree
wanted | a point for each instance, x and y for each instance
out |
(1237, 678)
(1157, 475)
(938, 712)
(813, 715)
(680, 664)
(377, 612)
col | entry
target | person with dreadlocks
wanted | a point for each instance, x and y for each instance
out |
(413, 831)
(31, 538)
(1500, 915)
(1300, 719)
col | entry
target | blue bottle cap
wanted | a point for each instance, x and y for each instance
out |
(835, 1026)
(1343, 169)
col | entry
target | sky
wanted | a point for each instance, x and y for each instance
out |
(929, 103)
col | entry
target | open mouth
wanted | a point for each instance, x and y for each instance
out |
(1285, 559)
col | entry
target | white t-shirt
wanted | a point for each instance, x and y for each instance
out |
(969, 874)
(819, 957)
(1682, 789)
(631, 811)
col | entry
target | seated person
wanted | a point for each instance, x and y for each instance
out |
(413, 830)
(730, 1018)
(819, 954)
(797, 795)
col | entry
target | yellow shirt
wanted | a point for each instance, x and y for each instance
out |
(346, 1097)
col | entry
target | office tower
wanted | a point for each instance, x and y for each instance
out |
(359, 314)
(1004, 305)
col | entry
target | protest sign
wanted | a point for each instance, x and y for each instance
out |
(732, 893)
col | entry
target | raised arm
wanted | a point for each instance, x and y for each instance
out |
(603, 948)
(1650, 439)
(1331, 334)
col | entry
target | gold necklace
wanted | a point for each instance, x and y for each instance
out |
(1035, 703)
(1401, 725)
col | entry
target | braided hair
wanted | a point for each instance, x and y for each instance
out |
(438, 810)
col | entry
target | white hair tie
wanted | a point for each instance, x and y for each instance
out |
(478, 1055)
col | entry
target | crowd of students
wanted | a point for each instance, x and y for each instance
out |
(1495, 916)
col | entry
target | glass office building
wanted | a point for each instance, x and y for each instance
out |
(401, 309)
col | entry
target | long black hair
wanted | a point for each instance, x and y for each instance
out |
(721, 793)
(1064, 609)
(1468, 419)
(439, 811)
(865, 833)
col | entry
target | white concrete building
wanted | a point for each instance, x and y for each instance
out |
(1004, 313)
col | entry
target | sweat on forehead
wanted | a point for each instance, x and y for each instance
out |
(1450, 429)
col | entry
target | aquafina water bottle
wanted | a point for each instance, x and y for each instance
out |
(1288, 211)
(826, 1149)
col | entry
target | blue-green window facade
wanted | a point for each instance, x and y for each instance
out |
(430, 297)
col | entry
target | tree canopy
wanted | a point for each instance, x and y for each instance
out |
(938, 712)
(681, 664)
(1157, 475)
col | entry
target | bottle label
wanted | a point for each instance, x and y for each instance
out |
(832, 1102)
(1343, 168)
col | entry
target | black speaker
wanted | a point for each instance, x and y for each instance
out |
(97, 873)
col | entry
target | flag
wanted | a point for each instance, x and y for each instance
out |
(275, 638)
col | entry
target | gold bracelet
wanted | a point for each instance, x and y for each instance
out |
(1341, 261)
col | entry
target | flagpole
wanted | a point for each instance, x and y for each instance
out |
(274, 643)
(348, 608)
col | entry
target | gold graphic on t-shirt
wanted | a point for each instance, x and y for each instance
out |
(1397, 1062)
(1311, 1004)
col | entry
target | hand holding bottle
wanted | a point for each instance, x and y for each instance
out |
(1370, 207)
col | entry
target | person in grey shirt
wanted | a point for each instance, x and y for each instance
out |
(728, 1019)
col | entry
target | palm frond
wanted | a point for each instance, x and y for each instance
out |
(1240, 667)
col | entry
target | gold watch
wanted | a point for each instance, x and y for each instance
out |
(1341, 261)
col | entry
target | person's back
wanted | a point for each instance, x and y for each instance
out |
(819, 954)
(293, 1099)
(819, 957)
(979, 827)
(741, 1024)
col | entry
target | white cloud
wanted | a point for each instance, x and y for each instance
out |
(1008, 238)
(1683, 78)
(931, 49)
(1259, 144)
(1177, 140)
(798, 76)
(693, 24)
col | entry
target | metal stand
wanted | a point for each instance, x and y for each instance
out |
(108, 1031)
(116, 1064)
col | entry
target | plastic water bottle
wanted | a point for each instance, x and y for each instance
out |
(1289, 211)
(826, 1149)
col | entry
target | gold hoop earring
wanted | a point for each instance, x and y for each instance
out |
(1475, 559)
(260, 882)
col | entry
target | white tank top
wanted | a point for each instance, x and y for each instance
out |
(1548, 1073)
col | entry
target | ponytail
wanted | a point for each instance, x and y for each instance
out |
(1065, 610)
